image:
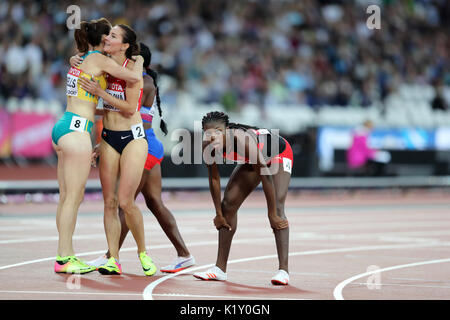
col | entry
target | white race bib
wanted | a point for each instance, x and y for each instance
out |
(117, 92)
(138, 131)
(287, 165)
(72, 81)
(78, 124)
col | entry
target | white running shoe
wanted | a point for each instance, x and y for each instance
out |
(280, 278)
(100, 261)
(180, 263)
(213, 273)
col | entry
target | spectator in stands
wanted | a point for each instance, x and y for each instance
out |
(237, 52)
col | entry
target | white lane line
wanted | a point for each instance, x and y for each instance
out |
(154, 247)
(403, 285)
(148, 291)
(54, 238)
(309, 274)
(221, 297)
(385, 237)
(71, 292)
(170, 295)
(337, 293)
(416, 279)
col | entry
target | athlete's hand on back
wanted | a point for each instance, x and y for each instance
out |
(138, 59)
(76, 60)
(90, 86)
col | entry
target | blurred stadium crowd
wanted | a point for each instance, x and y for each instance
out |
(311, 68)
(235, 52)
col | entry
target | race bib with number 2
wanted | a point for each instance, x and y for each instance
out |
(138, 131)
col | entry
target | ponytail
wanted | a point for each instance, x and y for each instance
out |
(154, 75)
(91, 33)
(81, 37)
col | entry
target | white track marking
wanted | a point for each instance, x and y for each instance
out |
(290, 272)
(148, 291)
(154, 247)
(54, 238)
(222, 297)
(416, 279)
(385, 236)
(337, 293)
(72, 292)
(403, 285)
(75, 292)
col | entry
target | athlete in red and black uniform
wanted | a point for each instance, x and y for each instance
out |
(262, 156)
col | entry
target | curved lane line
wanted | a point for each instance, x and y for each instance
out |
(148, 291)
(337, 293)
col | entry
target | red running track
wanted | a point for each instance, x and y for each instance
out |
(336, 240)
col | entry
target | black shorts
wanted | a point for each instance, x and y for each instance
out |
(118, 139)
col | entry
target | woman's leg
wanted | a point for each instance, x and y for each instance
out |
(131, 168)
(281, 181)
(61, 184)
(123, 224)
(74, 154)
(109, 170)
(242, 182)
(152, 194)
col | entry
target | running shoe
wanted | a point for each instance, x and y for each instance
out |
(213, 273)
(111, 267)
(147, 264)
(71, 264)
(280, 278)
(179, 264)
(100, 261)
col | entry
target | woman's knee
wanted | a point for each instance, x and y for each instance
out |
(111, 203)
(127, 204)
(228, 205)
(73, 197)
(153, 203)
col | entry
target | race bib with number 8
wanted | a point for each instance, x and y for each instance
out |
(138, 131)
(78, 124)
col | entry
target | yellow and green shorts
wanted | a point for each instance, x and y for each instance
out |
(70, 122)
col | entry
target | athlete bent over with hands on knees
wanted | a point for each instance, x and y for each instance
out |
(150, 185)
(220, 138)
(124, 150)
(71, 135)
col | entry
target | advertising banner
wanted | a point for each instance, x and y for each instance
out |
(31, 134)
(5, 134)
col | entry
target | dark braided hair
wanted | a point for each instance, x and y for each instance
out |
(147, 55)
(217, 116)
